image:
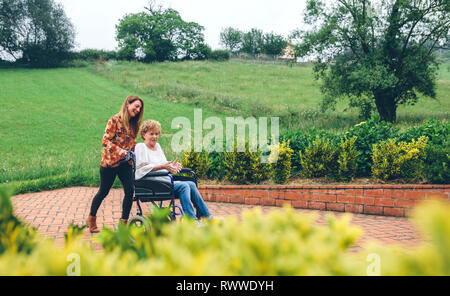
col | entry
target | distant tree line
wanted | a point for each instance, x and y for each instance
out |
(39, 34)
(35, 32)
(253, 42)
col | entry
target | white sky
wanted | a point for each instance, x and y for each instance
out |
(95, 20)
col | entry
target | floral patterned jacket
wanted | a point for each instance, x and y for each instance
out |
(116, 142)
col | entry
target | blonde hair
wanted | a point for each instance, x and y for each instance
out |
(131, 124)
(150, 125)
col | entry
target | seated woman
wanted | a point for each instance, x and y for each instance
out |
(150, 157)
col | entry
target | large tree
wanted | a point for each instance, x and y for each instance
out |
(231, 38)
(274, 44)
(36, 32)
(253, 41)
(375, 51)
(159, 34)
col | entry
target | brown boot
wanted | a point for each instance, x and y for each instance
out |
(91, 223)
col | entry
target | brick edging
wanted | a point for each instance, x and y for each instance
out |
(376, 199)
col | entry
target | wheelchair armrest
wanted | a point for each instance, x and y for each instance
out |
(157, 174)
(186, 170)
(178, 177)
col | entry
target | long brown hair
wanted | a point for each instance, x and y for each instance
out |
(131, 124)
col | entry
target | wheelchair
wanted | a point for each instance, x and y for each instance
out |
(154, 190)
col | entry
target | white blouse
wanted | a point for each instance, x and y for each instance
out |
(147, 159)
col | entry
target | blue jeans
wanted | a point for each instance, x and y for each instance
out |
(188, 194)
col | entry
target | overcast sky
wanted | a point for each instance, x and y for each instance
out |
(95, 20)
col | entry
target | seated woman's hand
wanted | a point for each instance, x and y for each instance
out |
(177, 164)
(172, 167)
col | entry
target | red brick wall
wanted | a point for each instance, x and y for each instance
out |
(387, 200)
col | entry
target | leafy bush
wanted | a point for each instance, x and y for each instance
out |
(436, 167)
(15, 236)
(245, 167)
(43, 56)
(217, 168)
(95, 54)
(369, 133)
(219, 55)
(282, 242)
(436, 131)
(319, 159)
(281, 169)
(199, 53)
(73, 233)
(299, 140)
(392, 160)
(347, 152)
(347, 164)
(197, 161)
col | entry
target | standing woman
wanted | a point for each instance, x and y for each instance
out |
(118, 140)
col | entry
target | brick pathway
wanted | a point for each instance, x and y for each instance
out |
(50, 212)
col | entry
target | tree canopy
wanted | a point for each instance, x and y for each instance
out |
(231, 38)
(377, 53)
(36, 32)
(159, 34)
(252, 42)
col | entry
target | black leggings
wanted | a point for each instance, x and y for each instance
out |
(107, 177)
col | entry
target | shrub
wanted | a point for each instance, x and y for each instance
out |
(217, 167)
(347, 164)
(281, 169)
(392, 160)
(436, 131)
(199, 53)
(15, 236)
(436, 167)
(219, 55)
(95, 54)
(299, 140)
(281, 242)
(369, 133)
(245, 167)
(198, 162)
(319, 159)
(73, 233)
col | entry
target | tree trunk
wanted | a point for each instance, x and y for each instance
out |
(387, 107)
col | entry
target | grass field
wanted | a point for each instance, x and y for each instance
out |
(52, 121)
(261, 89)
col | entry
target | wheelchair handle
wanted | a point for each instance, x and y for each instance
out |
(130, 156)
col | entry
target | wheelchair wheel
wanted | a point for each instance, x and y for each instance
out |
(139, 221)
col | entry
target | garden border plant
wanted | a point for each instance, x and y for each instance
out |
(422, 155)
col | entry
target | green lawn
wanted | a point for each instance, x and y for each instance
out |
(260, 89)
(238, 85)
(52, 122)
